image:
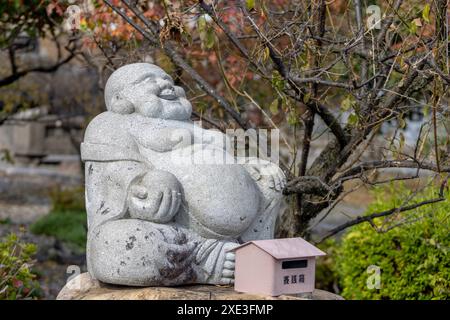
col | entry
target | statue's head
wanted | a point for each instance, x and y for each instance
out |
(146, 89)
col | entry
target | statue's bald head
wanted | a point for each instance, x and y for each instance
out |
(148, 90)
(128, 75)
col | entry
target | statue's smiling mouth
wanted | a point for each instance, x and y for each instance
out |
(168, 94)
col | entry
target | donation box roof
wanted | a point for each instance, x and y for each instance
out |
(287, 248)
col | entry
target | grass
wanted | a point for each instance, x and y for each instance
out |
(67, 219)
(67, 226)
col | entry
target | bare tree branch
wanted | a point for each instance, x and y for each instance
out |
(16, 75)
(329, 66)
(369, 218)
(307, 185)
(177, 59)
(383, 164)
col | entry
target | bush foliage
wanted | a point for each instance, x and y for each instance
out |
(411, 250)
(17, 281)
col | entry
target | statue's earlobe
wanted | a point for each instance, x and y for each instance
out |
(121, 105)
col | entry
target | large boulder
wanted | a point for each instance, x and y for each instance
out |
(83, 287)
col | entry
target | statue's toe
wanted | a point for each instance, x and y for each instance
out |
(227, 276)
(226, 281)
(228, 273)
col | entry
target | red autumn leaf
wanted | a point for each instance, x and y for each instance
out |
(54, 6)
(50, 8)
(17, 283)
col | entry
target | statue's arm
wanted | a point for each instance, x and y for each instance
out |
(121, 183)
(107, 186)
(121, 180)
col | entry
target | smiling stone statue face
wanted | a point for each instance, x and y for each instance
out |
(148, 90)
(155, 221)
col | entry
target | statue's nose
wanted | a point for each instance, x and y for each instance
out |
(167, 92)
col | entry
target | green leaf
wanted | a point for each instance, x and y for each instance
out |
(277, 81)
(5, 155)
(401, 122)
(347, 103)
(250, 4)
(274, 106)
(426, 13)
(306, 97)
(292, 118)
(426, 110)
(210, 39)
(353, 119)
(413, 26)
(201, 106)
(266, 54)
(201, 24)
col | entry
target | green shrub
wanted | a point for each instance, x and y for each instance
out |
(67, 219)
(412, 254)
(326, 276)
(17, 281)
(67, 226)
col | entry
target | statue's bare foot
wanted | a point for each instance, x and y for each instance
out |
(227, 277)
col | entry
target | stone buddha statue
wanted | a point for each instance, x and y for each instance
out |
(165, 199)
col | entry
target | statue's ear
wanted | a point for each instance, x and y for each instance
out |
(120, 104)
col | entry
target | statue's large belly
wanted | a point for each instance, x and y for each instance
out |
(221, 200)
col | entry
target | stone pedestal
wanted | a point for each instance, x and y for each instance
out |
(83, 287)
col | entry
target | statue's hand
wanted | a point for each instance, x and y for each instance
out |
(156, 197)
(269, 173)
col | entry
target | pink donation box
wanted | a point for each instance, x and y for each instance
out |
(275, 267)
